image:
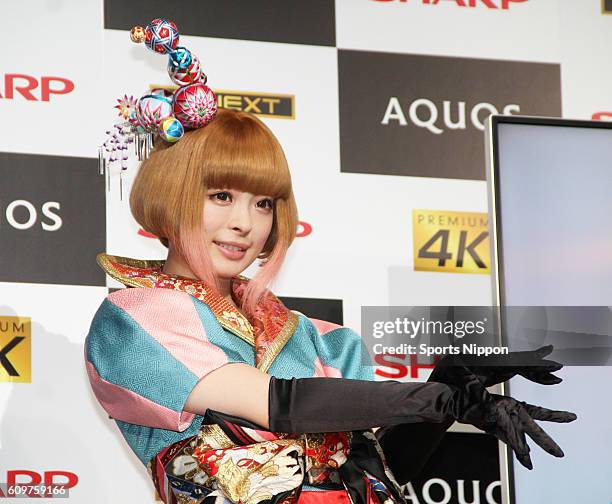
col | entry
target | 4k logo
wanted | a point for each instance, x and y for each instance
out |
(451, 242)
(16, 349)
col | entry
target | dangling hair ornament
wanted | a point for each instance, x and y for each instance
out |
(159, 112)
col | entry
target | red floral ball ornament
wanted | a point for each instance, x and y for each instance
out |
(195, 105)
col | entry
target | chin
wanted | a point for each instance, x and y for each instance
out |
(228, 272)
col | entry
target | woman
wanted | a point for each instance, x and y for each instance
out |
(277, 425)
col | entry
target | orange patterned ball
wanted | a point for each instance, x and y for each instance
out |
(137, 34)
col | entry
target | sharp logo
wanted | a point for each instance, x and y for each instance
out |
(33, 88)
(46, 484)
(16, 349)
(487, 4)
(398, 366)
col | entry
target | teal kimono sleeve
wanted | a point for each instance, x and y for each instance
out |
(341, 351)
(148, 348)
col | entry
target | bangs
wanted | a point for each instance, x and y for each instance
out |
(246, 156)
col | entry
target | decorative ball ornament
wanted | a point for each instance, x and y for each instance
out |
(195, 105)
(180, 58)
(171, 129)
(152, 109)
(159, 112)
(161, 36)
(187, 75)
(137, 34)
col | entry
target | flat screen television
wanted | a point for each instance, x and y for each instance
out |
(550, 215)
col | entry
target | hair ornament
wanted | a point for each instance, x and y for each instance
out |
(159, 112)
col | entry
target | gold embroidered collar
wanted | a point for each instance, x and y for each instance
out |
(268, 332)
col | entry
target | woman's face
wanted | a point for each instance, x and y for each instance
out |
(237, 225)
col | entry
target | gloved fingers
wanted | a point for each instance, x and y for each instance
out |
(535, 432)
(513, 437)
(549, 365)
(558, 416)
(523, 456)
(541, 377)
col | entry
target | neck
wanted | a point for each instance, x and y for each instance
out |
(175, 265)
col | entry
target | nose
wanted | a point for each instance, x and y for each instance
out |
(240, 218)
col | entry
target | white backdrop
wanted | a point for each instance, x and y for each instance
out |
(360, 249)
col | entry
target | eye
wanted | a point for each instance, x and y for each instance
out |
(221, 196)
(265, 203)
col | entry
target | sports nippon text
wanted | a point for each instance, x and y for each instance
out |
(431, 331)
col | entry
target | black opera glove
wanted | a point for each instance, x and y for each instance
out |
(308, 405)
(494, 369)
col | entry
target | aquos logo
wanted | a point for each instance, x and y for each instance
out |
(489, 4)
(33, 88)
(425, 113)
(439, 491)
(21, 214)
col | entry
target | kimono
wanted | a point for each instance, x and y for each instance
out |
(150, 344)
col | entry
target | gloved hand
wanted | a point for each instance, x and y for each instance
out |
(506, 418)
(494, 369)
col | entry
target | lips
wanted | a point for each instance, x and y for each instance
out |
(232, 250)
(237, 247)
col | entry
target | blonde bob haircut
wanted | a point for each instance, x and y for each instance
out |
(235, 151)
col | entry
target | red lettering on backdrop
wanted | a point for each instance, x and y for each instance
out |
(602, 116)
(486, 3)
(25, 84)
(390, 361)
(460, 3)
(72, 478)
(305, 230)
(11, 477)
(383, 360)
(490, 4)
(506, 3)
(36, 479)
(46, 90)
(146, 234)
(25, 91)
